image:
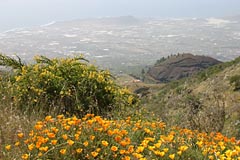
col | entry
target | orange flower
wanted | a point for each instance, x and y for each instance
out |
(54, 142)
(67, 127)
(124, 143)
(94, 154)
(118, 138)
(65, 136)
(60, 116)
(76, 136)
(131, 148)
(114, 148)
(8, 147)
(54, 129)
(126, 158)
(38, 126)
(122, 151)
(20, 135)
(51, 135)
(92, 137)
(48, 118)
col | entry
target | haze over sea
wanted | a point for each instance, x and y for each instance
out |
(28, 13)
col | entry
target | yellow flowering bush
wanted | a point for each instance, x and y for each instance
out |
(93, 137)
(68, 85)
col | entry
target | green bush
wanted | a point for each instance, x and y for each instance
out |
(67, 85)
(235, 80)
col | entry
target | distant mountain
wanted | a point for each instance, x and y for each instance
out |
(122, 20)
(179, 66)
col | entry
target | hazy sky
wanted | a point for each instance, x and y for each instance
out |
(24, 13)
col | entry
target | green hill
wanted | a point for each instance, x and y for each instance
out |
(178, 66)
(208, 101)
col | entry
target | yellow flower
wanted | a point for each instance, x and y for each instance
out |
(165, 150)
(140, 149)
(70, 142)
(105, 143)
(137, 155)
(158, 145)
(45, 149)
(228, 153)
(158, 153)
(63, 151)
(94, 154)
(25, 156)
(30, 147)
(8, 147)
(79, 150)
(183, 148)
(179, 153)
(199, 143)
(17, 143)
(172, 156)
(114, 148)
(40, 154)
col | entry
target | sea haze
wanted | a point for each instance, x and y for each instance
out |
(122, 42)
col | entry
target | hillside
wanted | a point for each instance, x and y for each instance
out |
(178, 66)
(209, 104)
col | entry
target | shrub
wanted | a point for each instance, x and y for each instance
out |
(235, 80)
(67, 85)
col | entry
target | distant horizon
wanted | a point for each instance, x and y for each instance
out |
(28, 13)
(99, 17)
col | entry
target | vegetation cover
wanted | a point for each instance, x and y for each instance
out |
(89, 117)
(93, 137)
(65, 85)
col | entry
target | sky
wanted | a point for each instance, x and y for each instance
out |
(27, 13)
